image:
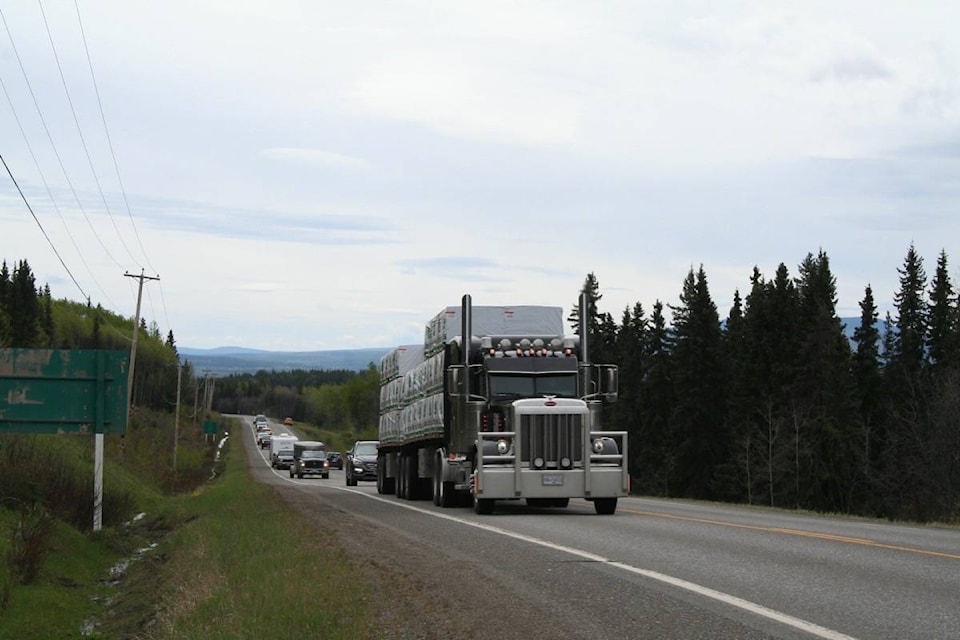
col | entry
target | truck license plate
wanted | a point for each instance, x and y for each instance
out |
(552, 480)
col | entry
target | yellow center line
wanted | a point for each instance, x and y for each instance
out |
(797, 532)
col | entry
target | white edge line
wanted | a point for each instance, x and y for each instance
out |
(739, 603)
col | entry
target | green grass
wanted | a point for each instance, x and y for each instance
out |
(247, 566)
(63, 597)
(231, 559)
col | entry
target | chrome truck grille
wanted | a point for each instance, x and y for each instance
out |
(555, 439)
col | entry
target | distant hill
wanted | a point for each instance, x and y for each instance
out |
(223, 361)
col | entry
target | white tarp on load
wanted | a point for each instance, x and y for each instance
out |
(399, 361)
(493, 321)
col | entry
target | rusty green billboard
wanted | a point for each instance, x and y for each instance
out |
(63, 391)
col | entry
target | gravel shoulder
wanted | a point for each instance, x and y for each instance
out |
(413, 598)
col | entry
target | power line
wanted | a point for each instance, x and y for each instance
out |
(106, 131)
(83, 141)
(53, 145)
(42, 230)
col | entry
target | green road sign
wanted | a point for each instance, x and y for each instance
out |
(63, 391)
(210, 427)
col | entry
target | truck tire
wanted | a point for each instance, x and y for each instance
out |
(402, 477)
(605, 506)
(482, 506)
(444, 494)
(385, 485)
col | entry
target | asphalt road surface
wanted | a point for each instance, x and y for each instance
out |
(656, 569)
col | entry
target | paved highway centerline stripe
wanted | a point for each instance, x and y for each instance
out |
(731, 600)
(797, 532)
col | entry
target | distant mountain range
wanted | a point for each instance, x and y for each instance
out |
(224, 361)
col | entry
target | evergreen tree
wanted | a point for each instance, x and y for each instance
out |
(871, 399)
(46, 318)
(654, 451)
(734, 482)
(698, 423)
(4, 307)
(770, 366)
(625, 414)
(942, 338)
(24, 305)
(912, 315)
(825, 438)
(601, 329)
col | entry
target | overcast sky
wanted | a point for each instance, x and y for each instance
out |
(324, 175)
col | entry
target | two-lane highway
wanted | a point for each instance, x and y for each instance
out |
(667, 569)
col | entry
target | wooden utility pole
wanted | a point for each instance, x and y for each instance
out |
(176, 419)
(136, 331)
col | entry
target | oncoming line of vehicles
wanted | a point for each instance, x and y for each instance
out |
(310, 457)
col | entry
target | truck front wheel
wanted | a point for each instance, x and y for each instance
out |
(482, 506)
(605, 506)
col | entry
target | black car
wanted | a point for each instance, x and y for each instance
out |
(335, 459)
(361, 463)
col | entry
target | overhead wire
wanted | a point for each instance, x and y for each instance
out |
(53, 146)
(83, 140)
(42, 230)
(89, 161)
(116, 165)
(40, 172)
(106, 130)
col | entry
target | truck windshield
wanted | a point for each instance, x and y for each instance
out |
(506, 387)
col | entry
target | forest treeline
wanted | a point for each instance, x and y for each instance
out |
(771, 405)
(30, 318)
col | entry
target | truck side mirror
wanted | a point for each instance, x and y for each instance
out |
(609, 383)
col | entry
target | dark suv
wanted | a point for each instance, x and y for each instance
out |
(361, 462)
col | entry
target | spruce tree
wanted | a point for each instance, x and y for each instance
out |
(655, 452)
(825, 438)
(942, 334)
(871, 400)
(699, 417)
(24, 306)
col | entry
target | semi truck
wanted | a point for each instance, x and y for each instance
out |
(498, 404)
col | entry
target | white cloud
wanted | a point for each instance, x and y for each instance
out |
(316, 157)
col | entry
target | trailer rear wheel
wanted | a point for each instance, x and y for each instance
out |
(605, 506)
(385, 485)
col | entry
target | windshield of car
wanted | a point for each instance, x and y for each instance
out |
(366, 449)
(506, 387)
(313, 453)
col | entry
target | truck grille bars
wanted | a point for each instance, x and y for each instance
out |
(551, 441)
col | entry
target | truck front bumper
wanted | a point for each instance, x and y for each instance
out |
(508, 483)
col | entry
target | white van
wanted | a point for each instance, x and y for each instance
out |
(281, 450)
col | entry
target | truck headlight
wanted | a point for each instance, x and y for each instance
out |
(503, 447)
(598, 445)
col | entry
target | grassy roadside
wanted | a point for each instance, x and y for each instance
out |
(229, 560)
(241, 565)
